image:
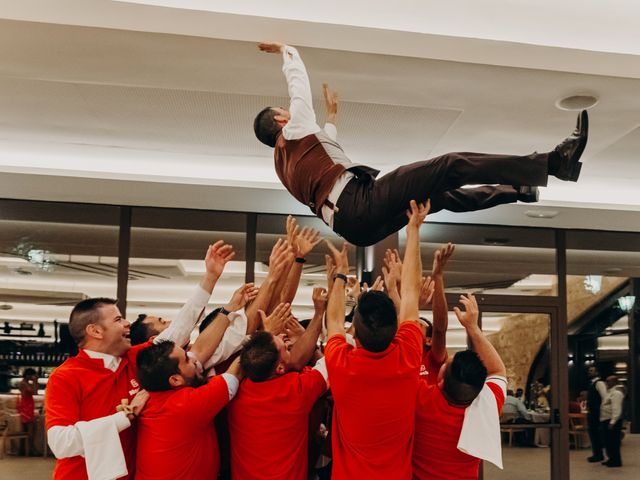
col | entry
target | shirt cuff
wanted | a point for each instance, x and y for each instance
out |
(232, 384)
(121, 420)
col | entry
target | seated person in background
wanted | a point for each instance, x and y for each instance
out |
(519, 394)
(514, 408)
(176, 435)
(457, 420)
(269, 418)
(576, 406)
(374, 386)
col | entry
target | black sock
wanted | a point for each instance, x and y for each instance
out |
(554, 163)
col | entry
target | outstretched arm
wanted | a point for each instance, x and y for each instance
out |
(337, 296)
(439, 303)
(412, 265)
(302, 119)
(303, 349)
(469, 320)
(303, 242)
(218, 255)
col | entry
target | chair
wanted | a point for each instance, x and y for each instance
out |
(577, 429)
(5, 435)
(508, 426)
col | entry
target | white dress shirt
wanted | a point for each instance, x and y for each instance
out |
(303, 118)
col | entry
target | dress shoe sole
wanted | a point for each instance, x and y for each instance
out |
(584, 134)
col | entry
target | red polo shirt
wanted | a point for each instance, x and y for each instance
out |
(438, 426)
(82, 389)
(430, 367)
(269, 425)
(176, 435)
(374, 414)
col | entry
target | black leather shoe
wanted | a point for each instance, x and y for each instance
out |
(528, 194)
(595, 459)
(570, 150)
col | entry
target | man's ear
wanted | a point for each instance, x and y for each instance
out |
(94, 330)
(152, 338)
(281, 368)
(176, 380)
(281, 120)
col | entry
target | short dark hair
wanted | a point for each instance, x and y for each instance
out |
(29, 372)
(464, 378)
(266, 128)
(155, 366)
(84, 314)
(206, 321)
(259, 357)
(140, 331)
(375, 320)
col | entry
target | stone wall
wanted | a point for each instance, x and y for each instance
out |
(522, 335)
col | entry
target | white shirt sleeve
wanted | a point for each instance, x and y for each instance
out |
(179, 331)
(67, 441)
(232, 340)
(303, 118)
(232, 384)
(321, 366)
(331, 131)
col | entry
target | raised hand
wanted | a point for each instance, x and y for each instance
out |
(241, 297)
(138, 402)
(340, 257)
(275, 322)
(469, 318)
(292, 230)
(331, 271)
(354, 290)
(378, 285)
(218, 255)
(271, 47)
(427, 286)
(417, 213)
(392, 269)
(234, 369)
(293, 330)
(281, 255)
(441, 257)
(331, 103)
(320, 298)
(305, 241)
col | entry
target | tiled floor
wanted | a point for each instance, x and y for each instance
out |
(520, 464)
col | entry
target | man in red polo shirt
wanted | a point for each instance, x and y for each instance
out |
(176, 435)
(458, 417)
(269, 418)
(374, 386)
(84, 431)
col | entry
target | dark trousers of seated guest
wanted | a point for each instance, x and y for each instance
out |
(525, 438)
(612, 437)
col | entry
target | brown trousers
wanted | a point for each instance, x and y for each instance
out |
(371, 209)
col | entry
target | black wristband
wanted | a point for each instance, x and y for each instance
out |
(340, 276)
(301, 260)
(224, 311)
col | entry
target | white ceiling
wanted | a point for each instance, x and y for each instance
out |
(135, 103)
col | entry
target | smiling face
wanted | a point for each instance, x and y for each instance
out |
(113, 331)
(284, 351)
(156, 324)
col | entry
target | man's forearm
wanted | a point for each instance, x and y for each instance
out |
(336, 308)
(440, 320)
(278, 287)
(261, 302)
(291, 285)
(209, 340)
(488, 355)
(411, 275)
(304, 348)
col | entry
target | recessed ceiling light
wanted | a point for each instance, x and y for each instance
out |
(541, 213)
(6, 306)
(576, 102)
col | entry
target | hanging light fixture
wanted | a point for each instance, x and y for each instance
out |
(626, 303)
